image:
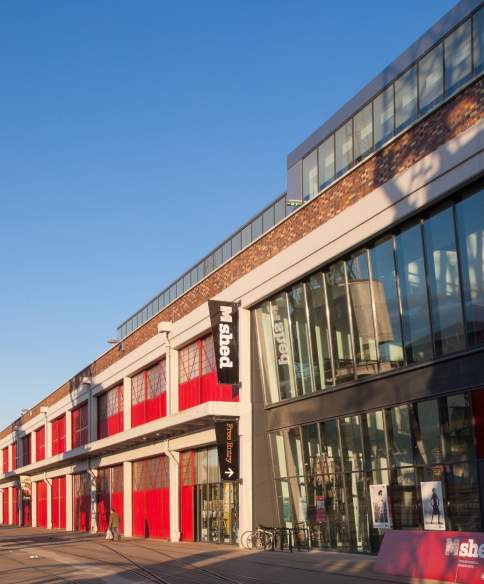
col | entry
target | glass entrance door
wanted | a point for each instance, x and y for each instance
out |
(216, 512)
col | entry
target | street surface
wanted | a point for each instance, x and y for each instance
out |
(30, 556)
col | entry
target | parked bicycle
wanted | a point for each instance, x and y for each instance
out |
(260, 538)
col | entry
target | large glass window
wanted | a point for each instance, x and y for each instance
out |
(479, 41)
(331, 452)
(340, 323)
(344, 148)
(320, 334)
(310, 176)
(458, 428)
(363, 127)
(351, 443)
(300, 339)
(326, 162)
(413, 287)
(444, 285)
(278, 454)
(431, 79)
(470, 229)
(282, 341)
(458, 57)
(400, 436)
(428, 442)
(406, 99)
(362, 314)
(312, 451)
(383, 116)
(266, 352)
(388, 326)
(373, 428)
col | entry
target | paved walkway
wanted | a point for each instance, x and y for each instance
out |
(30, 556)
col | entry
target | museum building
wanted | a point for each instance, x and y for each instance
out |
(359, 404)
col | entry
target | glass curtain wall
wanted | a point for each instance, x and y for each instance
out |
(412, 296)
(323, 470)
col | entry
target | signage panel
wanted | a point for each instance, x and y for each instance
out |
(227, 435)
(432, 505)
(380, 506)
(224, 322)
(449, 556)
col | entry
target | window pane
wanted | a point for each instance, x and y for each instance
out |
(344, 148)
(319, 333)
(399, 436)
(462, 489)
(310, 176)
(226, 251)
(278, 454)
(362, 315)
(266, 352)
(246, 236)
(326, 162)
(411, 272)
(280, 210)
(217, 258)
(351, 443)
(445, 300)
(236, 243)
(268, 219)
(479, 41)
(458, 428)
(363, 125)
(256, 227)
(282, 336)
(300, 339)
(331, 451)
(294, 456)
(458, 59)
(383, 116)
(470, 230)
(405, 510)
(312, 450)
(339, 323)
(387, 310)
(427, 432)
(406, 99)
(431, 79)
(374, 440)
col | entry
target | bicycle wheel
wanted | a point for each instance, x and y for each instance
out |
(246, 539)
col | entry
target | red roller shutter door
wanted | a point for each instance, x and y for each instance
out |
(109, 495)
(187, 494)
(59, 502)
(81, 501)
(5, 506)
(26, 510)
(15, 501)
(151, 498)
(41, 504)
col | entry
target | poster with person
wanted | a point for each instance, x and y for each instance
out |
(432, 505)
(380, 507)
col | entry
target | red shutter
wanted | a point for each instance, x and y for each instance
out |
(5, 459)
(81, 501)
(15, 502)
(151, 498)
(80, 426)
(40, 444)
(41, 504)
(14, 455)
(187, 494)
(5, 506)
(58, 505)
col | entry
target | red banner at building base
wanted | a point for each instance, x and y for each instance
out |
(451, 556)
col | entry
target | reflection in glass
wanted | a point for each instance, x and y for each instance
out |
(362, 314)
(431, 79)
(326, 162)
(310, 176)
(282, 342)
(340, 324)
(479, 41)
(386, 305)
(374, 440)
(300, 339)
(383, 116)
(363, 127)
(462, 490)
(284, 502)
(399, 436)
(356, 484)
(405, 509)
(294, 454)
(312, 451)
(351, 443)
(406, 99)
(470, 230)
(344, 148)
(331, 453)
(458, 428)
(278, 453)
(320, 338)
(266, 352)
(427, 432)
(458, 58)
(443, 273)
(413, 287)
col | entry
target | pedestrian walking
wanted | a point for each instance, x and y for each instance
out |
(114, 524)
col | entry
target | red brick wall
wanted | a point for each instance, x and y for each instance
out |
(460, 113)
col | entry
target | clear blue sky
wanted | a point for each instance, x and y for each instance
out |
(130, 132)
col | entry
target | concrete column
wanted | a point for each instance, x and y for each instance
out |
(10, 505)
(49, 503)
(128, 499)
(33, 447)
(245, 423)
(68, 431)
(33, 503)
(127, 403)
(174, 461)
(10, 462)
(93, 476)
(69, 506)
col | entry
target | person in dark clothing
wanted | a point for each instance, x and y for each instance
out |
(114, 524)
(435, 504)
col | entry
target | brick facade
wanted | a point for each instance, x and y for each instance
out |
(452, 118)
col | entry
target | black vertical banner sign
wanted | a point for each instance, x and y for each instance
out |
(227, 435)
(224, 317)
